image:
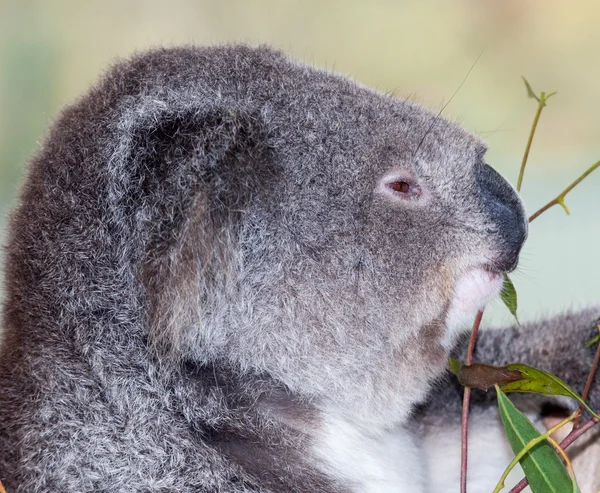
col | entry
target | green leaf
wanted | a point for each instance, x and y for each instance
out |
(530, 92)
(455, 366)
(542, 466)
(515, 377)
(509, 296)
(589, 344)
(541, 382)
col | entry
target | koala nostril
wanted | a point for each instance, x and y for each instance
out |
(506, 215)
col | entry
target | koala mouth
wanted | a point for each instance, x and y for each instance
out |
(476, 287)
(473, 290)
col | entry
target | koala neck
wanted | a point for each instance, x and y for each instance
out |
(363, 456)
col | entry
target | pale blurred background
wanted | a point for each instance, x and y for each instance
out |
(50, 52)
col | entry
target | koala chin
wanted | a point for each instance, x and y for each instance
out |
(229, 271)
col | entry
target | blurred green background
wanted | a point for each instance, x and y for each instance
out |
(51, 51)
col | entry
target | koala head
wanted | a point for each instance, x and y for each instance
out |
(286, 221)
(341, 236)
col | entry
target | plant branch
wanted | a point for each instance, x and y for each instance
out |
(566, 459)
(541, 99)
(575, 417)
(560, 199)
(465, 410)
(571, 437)
(575, 434)
(588, 384)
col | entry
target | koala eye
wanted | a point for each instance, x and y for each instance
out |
(403, 190)
(400, 186)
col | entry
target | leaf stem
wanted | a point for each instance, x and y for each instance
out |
(528, 446)
(464, 451)
(567, 461)
(588, 384)
(560, 199)
(541, 103)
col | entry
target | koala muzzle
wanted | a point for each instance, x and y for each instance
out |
(507, 220)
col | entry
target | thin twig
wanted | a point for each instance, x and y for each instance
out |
(560, 199)
(465, 410)
(571, 437)
(565, 457)
(473, 338)
(575, 434)
(588, 384)
(464, 448)
(541, 103)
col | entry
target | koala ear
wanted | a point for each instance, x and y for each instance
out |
(191, 173)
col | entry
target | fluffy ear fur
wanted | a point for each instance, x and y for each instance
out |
(190, 262)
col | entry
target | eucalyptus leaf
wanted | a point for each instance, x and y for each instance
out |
(530, 92)
(515, 377)
(589, 344)
(482, 376)
(542, 466)
(541, 382)
(455, 366)
(509, 296)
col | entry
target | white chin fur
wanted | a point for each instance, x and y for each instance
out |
(473, 290)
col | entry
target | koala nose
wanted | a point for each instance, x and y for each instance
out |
(506, 215)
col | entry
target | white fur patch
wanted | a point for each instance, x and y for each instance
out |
(489, 454)
(396, 461)
(472, 291)
(385, 461)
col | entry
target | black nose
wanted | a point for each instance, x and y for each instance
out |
(507, 221)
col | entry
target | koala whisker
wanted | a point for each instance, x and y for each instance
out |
(439, 113)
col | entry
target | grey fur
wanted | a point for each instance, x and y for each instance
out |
(203, 265)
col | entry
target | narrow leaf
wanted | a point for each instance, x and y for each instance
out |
(541, 382)
(454, 365)
(509, 296)
(482, 376)
(589, 344)
(530, 92)
(596, 339)
(515, 377)
(542, 466)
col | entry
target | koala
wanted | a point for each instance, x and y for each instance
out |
(232, 272)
